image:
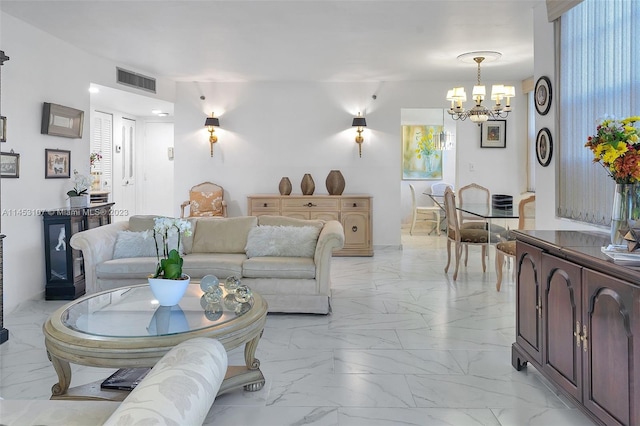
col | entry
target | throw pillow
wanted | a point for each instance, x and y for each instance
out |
(139, 244)
(281, 241)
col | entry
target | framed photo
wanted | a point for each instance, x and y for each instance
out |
(3, 128)
(544, 147)
(494, 134)
(420, 159)
(58, 120)
(542, 95)
(9, 165)
(57, 164)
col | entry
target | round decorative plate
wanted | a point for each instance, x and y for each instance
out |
(542, 94)
(544, 147)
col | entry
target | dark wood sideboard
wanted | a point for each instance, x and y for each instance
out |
(65, 265)
(578, 322)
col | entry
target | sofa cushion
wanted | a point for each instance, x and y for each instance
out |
(139, 223)
(132, 267)
(288, 221)
(279, 267)
(222, 235)
(221, 265)
(284, 241)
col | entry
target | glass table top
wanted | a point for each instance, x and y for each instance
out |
(134, 312)
(487, 212)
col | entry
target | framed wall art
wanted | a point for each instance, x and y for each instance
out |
(9, 165)
(3, 129)
(493, 134)
(542, 95)
(58, 120)
(57, 164)
(420, 159)
(544, 147)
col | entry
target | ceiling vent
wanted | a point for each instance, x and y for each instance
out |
(130, 78)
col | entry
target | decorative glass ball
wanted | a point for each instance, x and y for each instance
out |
(231, 284)
(243, 294)
(242, 308)
(230, 302)
(213, 311)
(213, 295)
(209, 281)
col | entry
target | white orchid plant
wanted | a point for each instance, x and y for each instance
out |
(81, 185)
(169, 262)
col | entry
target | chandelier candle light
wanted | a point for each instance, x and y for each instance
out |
(480, 113)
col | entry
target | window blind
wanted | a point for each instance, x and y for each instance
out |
(599, 41)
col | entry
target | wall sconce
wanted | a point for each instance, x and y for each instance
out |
(211, 123)
(359, 122)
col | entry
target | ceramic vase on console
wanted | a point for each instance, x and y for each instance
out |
(335, 182)
(169, 292)
(307, 185)
(626, 207)
(285, 186)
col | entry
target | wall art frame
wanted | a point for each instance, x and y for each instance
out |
(3, 128)
(493, 134)
(543, 95)
(58, 120)
(544, 147)
(9, 165)
(419, 160)
(57, 164)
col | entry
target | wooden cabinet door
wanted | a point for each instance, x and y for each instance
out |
(528, 300)
(356, 230)
(324, 215)
(562, 323)
(612, 349)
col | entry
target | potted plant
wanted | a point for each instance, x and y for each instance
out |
(168, 283)
(79, 195)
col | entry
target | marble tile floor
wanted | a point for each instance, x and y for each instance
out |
(404, 345)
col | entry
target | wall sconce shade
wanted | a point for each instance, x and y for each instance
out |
(359, 122)
(211, 123)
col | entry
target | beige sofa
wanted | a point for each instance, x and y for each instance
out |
(180, 390)
(276, 256)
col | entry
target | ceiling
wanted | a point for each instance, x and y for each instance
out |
(295, 40)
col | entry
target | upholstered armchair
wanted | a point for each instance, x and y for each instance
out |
(205, 200)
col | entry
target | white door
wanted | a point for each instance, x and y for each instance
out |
(125, 172)
(157, 171)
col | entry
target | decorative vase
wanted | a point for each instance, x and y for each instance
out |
(79, 201)
(626, 206)
(307, 185)
(169, 292)
(335, 182)
(285, 186)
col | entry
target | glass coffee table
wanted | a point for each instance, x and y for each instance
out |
(126, 328)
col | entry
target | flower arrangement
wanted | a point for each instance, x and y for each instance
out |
(616, 145)
(81, 185)
(170, 265)
(94, 157)
(426, 146)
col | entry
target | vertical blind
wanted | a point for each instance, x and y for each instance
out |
(599, 78)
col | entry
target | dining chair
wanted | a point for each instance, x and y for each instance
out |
(423, 213)
(507, 249)
(463, 237)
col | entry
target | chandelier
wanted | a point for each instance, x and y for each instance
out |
(480, 113)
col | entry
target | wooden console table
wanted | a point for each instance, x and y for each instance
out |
(578, 322)
(64, 265)
(352, 210)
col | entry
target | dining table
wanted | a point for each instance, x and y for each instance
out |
(488, 213)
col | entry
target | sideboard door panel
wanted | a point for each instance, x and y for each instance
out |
(562, 323)
(528, 324)
(612, 388)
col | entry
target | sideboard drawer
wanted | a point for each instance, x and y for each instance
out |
(355, 204)
(260, 205)
(309, 204)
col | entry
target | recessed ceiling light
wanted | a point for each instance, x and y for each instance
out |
(163, 114)
(156, 111)
(93, 89)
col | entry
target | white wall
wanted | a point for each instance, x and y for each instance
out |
(41, 69)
